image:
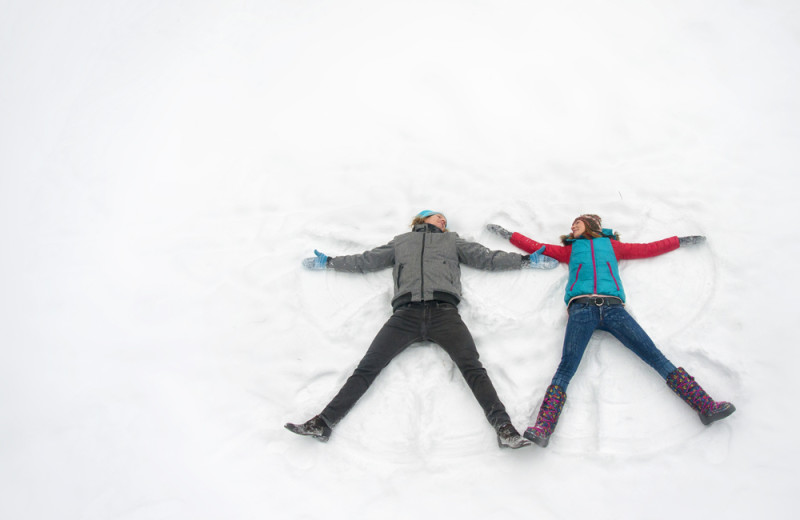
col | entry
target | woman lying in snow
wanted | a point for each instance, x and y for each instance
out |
(427, 288)
(596, 300)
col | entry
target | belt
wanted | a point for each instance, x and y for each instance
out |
(598, 300)
(426, 303)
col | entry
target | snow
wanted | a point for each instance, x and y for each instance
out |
(165, 166)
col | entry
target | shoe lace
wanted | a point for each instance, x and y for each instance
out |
(507, 430)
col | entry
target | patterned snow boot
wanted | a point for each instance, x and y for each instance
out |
(315, 427)
(509, 437)
(548, 416)
(685, 386)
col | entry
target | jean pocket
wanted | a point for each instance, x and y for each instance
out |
(576, 308)
(582, 313)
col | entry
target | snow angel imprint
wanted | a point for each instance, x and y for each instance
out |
(427, 290)
(595, 300)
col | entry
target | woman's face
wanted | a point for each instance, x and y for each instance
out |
(437, 220)
(578, 228)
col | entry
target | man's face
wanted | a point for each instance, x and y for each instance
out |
(437, 220)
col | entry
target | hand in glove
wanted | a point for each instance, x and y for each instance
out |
(320, 261)
(691, 240)
(499, 230)
(539, 261)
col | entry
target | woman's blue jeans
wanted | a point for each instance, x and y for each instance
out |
(584, 319)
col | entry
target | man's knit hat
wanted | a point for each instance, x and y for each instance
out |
(427, 213)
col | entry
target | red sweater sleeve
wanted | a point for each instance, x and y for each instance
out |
(560, 253)
(625, 251)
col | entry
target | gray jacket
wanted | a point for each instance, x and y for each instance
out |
(426, 263)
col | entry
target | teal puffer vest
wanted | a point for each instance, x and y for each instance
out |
(593, 269)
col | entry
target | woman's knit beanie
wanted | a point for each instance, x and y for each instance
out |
(592, 222)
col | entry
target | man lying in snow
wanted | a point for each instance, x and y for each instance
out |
(427, 289)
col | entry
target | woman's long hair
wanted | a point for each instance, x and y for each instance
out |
(588, 234)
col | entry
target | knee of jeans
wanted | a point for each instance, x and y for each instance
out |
(472, 369)
(369, 369)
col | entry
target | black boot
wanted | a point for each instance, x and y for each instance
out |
(315, 427)
(509, 437)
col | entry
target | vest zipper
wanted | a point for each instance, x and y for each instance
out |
(612, 275)
(594, 266)
(577, 273)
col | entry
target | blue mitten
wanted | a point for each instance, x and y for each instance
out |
(320, 261)
(539, 261)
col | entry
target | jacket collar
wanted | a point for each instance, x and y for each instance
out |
(606, 233)
(427, 228)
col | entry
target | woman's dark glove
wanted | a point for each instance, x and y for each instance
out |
(691, 240)
(499, 230)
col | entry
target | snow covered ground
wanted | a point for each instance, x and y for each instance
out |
(166, 165)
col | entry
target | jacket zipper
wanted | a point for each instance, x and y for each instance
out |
(577, 273)
(594, 267)
(612, 275)
(421, 266)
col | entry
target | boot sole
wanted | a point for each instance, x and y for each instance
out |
(521, 444)
(706, 419)
(539, 441)
(294, 428)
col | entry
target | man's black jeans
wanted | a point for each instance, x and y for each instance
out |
(434, 321)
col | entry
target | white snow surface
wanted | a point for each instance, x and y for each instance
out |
(166, 165)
